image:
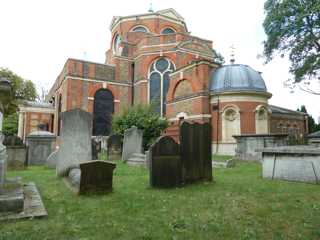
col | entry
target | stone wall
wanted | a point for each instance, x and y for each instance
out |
(247, 145)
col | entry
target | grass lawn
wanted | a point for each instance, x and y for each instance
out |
(238, 205)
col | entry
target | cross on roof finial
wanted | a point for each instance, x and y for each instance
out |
(150, 9)
(232, 58)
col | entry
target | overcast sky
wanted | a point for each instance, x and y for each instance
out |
(37, 37)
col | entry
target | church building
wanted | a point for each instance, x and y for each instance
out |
(153, 58)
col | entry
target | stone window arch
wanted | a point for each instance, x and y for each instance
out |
(262, 120)
(168, 30)
(230, 123)
(183, 88)
(139, 28)
(159, 81)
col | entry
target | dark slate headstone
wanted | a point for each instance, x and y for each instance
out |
(114, 146)
(195, 147)
(165, 163)
(96, 176)
(75, 140)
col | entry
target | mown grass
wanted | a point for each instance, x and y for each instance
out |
(238, 205)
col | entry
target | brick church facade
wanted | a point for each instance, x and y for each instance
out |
(152, 58)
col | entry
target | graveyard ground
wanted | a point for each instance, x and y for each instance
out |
(238, 205)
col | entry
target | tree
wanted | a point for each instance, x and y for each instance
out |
(143, 117)
(21, 90)
(293, 27)
(312, 125)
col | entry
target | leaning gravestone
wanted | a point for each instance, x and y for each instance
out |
(165, 163)
(114, 146)
(132, 142)
(75, 138)
(195, 150)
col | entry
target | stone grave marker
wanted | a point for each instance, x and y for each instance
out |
(51, 161)
(165, 163)
(96, 176)
(114, 146)
(195, 150)
(40, 145)
(75, 140)
(132, 142)
(96, 148)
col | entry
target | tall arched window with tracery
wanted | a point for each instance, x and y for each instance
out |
(159, 81)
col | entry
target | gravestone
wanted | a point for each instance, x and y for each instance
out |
(96, 176)
(96, 148)
(165, 163)
(132, 142)
(51, 161)
(3, 158)
(195, 150)
(40, 144)
(75, 140)
(114, 146)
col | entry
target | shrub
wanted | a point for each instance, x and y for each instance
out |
(143, 117)
(10, 124)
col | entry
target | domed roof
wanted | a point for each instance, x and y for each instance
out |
(236, 77)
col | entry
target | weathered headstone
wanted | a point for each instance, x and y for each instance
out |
(195, 150)
(165, 163)
(40, 144)
(51, 161)
(96, 176)
(96, 148)
(132, 142)
(114, 146)
(75, 140)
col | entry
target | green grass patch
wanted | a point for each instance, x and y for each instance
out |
(221, 158)
(238, 205)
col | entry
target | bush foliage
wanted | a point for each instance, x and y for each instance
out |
(143, 117)
(10, 124)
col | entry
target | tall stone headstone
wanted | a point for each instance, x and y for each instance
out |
(165, 163)
(114, 146)
(195, 147)
(132, 142)
(75, 140)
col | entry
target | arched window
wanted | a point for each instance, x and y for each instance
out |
(103, 108)
(159, 83)
(168, 31)
(262, 120)
(230, 124)
(116, 44)
(139, 29)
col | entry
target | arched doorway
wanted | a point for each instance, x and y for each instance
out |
(103, 109)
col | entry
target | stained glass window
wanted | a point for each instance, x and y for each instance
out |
(159, 83)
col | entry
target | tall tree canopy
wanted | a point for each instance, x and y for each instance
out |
(312, 125)
(21, 90)
(293, 27)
